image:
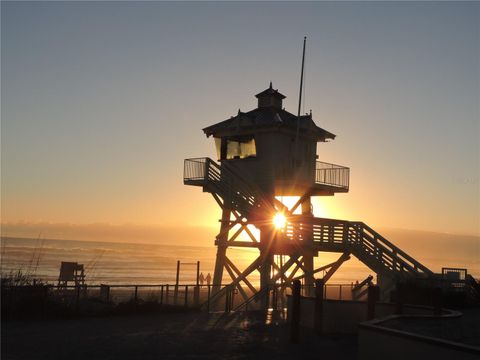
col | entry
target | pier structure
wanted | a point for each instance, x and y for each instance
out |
(267, 153)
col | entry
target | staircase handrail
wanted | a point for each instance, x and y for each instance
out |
(396, 250)
(360, 236)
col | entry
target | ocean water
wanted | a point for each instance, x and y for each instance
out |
(110, 262)
(128, 263)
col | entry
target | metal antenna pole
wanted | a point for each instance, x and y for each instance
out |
(300, 96)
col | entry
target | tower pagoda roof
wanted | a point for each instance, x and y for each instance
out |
(268, 118)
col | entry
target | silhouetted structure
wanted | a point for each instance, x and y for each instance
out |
(71, 272)
(269, 152)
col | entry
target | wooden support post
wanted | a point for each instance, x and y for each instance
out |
(161, 295)
(186, 296)
(136, 294)
(267, 297)
(266, 240)
(221, 247)
(308, 278)
(295, 318)
(372, 297)
(166, 294)
(227, 298)
(274, 297)
(318, 320)
(177, 279)
(307, 234)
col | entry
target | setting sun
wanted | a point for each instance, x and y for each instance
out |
(279, 220)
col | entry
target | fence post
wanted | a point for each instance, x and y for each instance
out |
(177, 278)
(166, 295)
(196, 295)
(318, 320)
(372, 297)
(186, 296)
(161, 295)
(208, 298)
(295, 319)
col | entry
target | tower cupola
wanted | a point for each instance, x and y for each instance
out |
(270, 98)
(273, 148)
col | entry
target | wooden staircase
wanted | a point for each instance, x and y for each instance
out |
(331, 235)
(357, 238)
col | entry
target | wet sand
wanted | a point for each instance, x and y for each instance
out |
(166, 336)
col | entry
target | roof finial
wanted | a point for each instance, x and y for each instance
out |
(270, 84)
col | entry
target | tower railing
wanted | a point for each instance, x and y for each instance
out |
(194, 169)
(358, 238)
(220, 179)
(332, 175)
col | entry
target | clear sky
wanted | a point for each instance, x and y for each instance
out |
(101, 102)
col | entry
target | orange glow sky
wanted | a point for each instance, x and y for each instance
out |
(101, 102)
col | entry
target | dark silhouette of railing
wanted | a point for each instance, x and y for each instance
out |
(366, 244)
(332, 175)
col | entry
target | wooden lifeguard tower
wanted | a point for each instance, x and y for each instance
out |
(269, 152)
(71, 272)
(274, 152)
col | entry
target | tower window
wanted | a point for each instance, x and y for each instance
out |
(218, 147)
(240, 148)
